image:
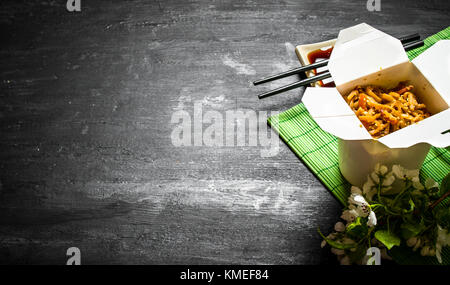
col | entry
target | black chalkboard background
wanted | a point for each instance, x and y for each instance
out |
(86, 102)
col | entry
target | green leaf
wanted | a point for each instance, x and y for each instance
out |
(411, 229)
(445, 185)
(387, 238)
(336, 244)
(357, 230)
(411, 207)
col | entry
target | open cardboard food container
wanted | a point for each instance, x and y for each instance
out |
(363, 55)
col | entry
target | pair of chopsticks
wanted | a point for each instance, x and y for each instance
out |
(409, 42)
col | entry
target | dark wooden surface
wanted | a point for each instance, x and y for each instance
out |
(86, 158)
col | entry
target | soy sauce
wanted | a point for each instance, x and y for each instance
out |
(320, 54)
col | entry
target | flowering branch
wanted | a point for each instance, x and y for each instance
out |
(393, 207)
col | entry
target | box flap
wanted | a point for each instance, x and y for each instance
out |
(361, 50)
(434, 63)
(434, 130)
(333, 114)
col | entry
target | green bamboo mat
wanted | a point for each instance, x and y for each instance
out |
(319, 151)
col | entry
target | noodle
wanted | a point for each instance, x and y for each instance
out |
(383, 112)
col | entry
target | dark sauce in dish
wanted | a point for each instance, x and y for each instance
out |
(320, 54)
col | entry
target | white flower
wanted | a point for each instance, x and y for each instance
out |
(358, 207)
(398, 171)
(349, 216)
(368, 189)
(357, 199)
(411, 241)
(332, 236)
(377, 167)
(358, 203)
(416, 183)
(323, 243)
(347, 240)
(430, 183)
(368, 185)
(412, 173)
(443, 236)
(380, 169)
(345, 261)
(432, 252)
(339, 227)
(375, 177)
(337, 251)
(443, 239)
(425, 251)
(438, 252)
(372, 221)
(388, 180)
(417, 245)
(355, 190)
(383, 169)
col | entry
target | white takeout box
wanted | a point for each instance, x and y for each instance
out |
(363, 55)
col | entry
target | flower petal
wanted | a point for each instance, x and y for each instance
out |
(430, 183)
(339, 227)
(355, 190)
(372, 220)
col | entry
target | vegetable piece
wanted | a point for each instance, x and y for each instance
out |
(362, 101)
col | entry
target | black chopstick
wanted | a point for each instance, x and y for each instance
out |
(294, 85)
(413, 45)
(322, 76)
(409, 38)
(292, 72)
(404, 40)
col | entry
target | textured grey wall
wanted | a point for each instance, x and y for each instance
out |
(86, 157)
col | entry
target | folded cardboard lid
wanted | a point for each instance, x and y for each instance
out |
(333, 114)
(431, 130)
(434, 63)
(361, 50)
